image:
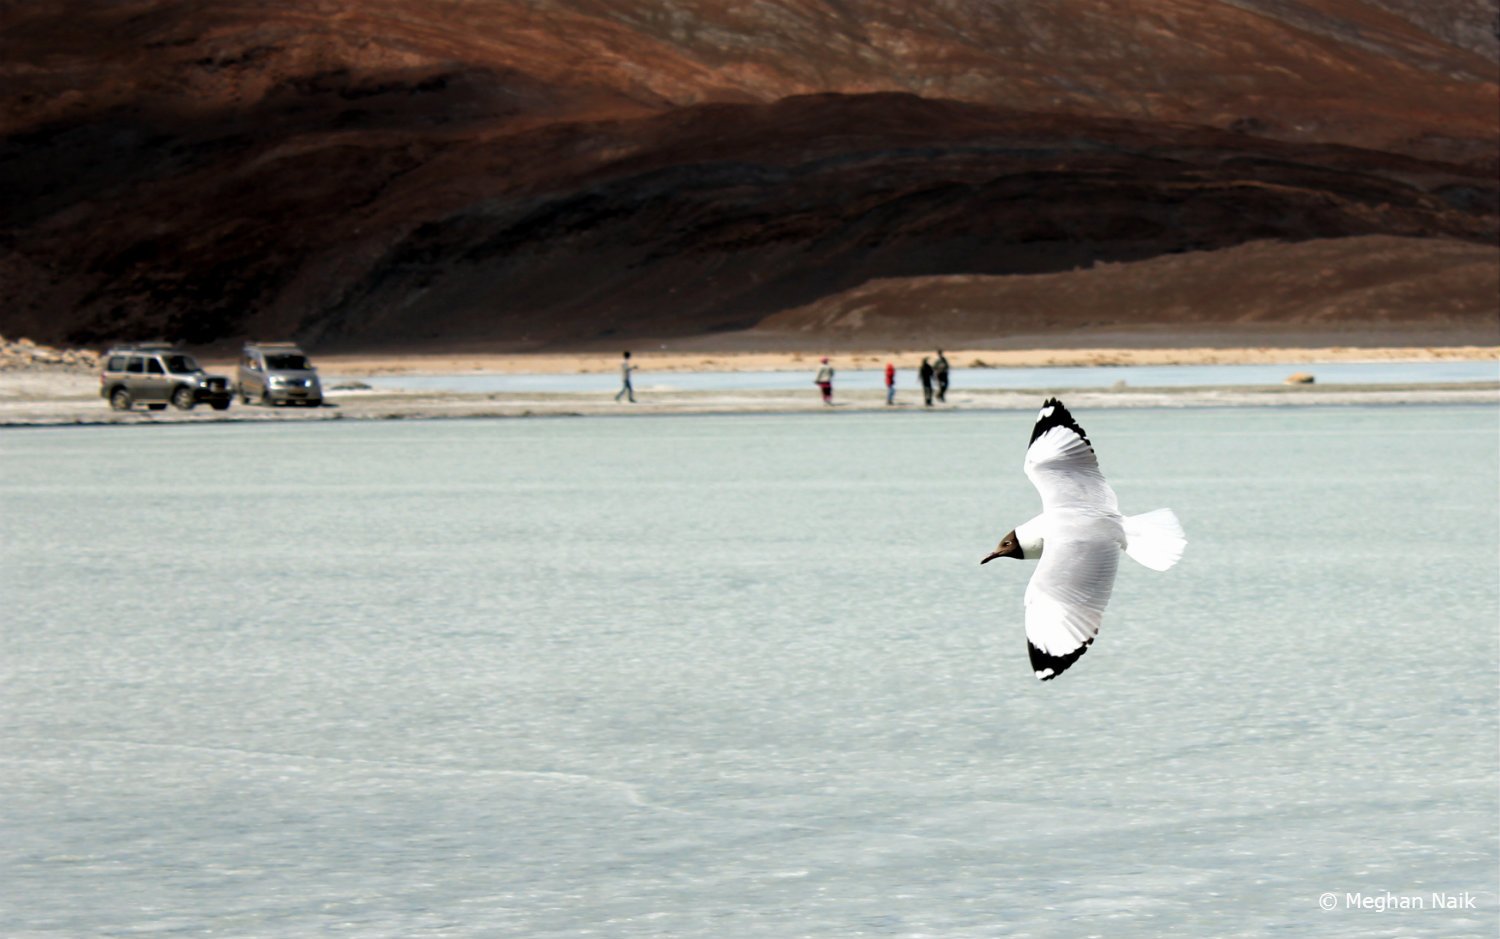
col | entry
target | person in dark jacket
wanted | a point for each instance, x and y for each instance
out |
(925, 373)
(940, 374)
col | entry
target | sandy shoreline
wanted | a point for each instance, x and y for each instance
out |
(71, 396)
(388, 406)
(675, 360)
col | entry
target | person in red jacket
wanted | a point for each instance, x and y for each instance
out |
(890, 384)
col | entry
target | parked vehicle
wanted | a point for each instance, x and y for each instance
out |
(155, 374)
(277, 373)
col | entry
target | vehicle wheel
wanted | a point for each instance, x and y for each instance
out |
(120, 400)
(265, 398)
(183, 398)
(244, 395)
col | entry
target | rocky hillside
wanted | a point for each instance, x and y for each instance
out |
(359, 173)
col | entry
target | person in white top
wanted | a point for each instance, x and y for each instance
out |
(625, 389)
(824, 381)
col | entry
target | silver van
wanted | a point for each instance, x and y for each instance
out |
(155, 374)
(277, 373)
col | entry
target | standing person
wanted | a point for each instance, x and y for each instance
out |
(925, 373)
(824, 381)
(625, 387)
(890, 384)
(940, 372)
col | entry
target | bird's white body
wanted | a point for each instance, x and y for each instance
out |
(1032, 537)
(1077, 541)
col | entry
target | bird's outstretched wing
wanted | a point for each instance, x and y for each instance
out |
(1060, 463)
(1067, 595)
(1065, 601)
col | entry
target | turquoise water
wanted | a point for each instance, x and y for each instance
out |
(742, 676)
(1050, 377)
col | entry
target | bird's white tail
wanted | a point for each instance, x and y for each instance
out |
(1155, 538)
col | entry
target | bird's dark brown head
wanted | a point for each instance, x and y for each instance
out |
(1009, 547)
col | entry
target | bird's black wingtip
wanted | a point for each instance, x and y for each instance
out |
(1048, 666)
(1056, 414)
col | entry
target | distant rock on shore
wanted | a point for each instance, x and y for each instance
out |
(24, 355)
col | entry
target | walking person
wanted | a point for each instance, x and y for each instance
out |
(890, 384)
(626, 390)
(824, 381)
(925, 373)
(940, 372)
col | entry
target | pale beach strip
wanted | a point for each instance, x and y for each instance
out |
(60, 397)
(651, 358)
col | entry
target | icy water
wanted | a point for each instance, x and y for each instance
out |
(743, 677)
(1051, 377)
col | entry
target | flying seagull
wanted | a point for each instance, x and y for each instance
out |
(1083, 533)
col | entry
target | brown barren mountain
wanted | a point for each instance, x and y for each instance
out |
(366, 173)
(1331, 291)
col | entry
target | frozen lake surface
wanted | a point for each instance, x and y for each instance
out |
(741, 677)
(1059, 377)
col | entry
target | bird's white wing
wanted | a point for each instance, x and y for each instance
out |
(1060, 462)
(1066, 598)
(1082, 536)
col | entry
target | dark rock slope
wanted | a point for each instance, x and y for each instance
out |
(378, 172)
